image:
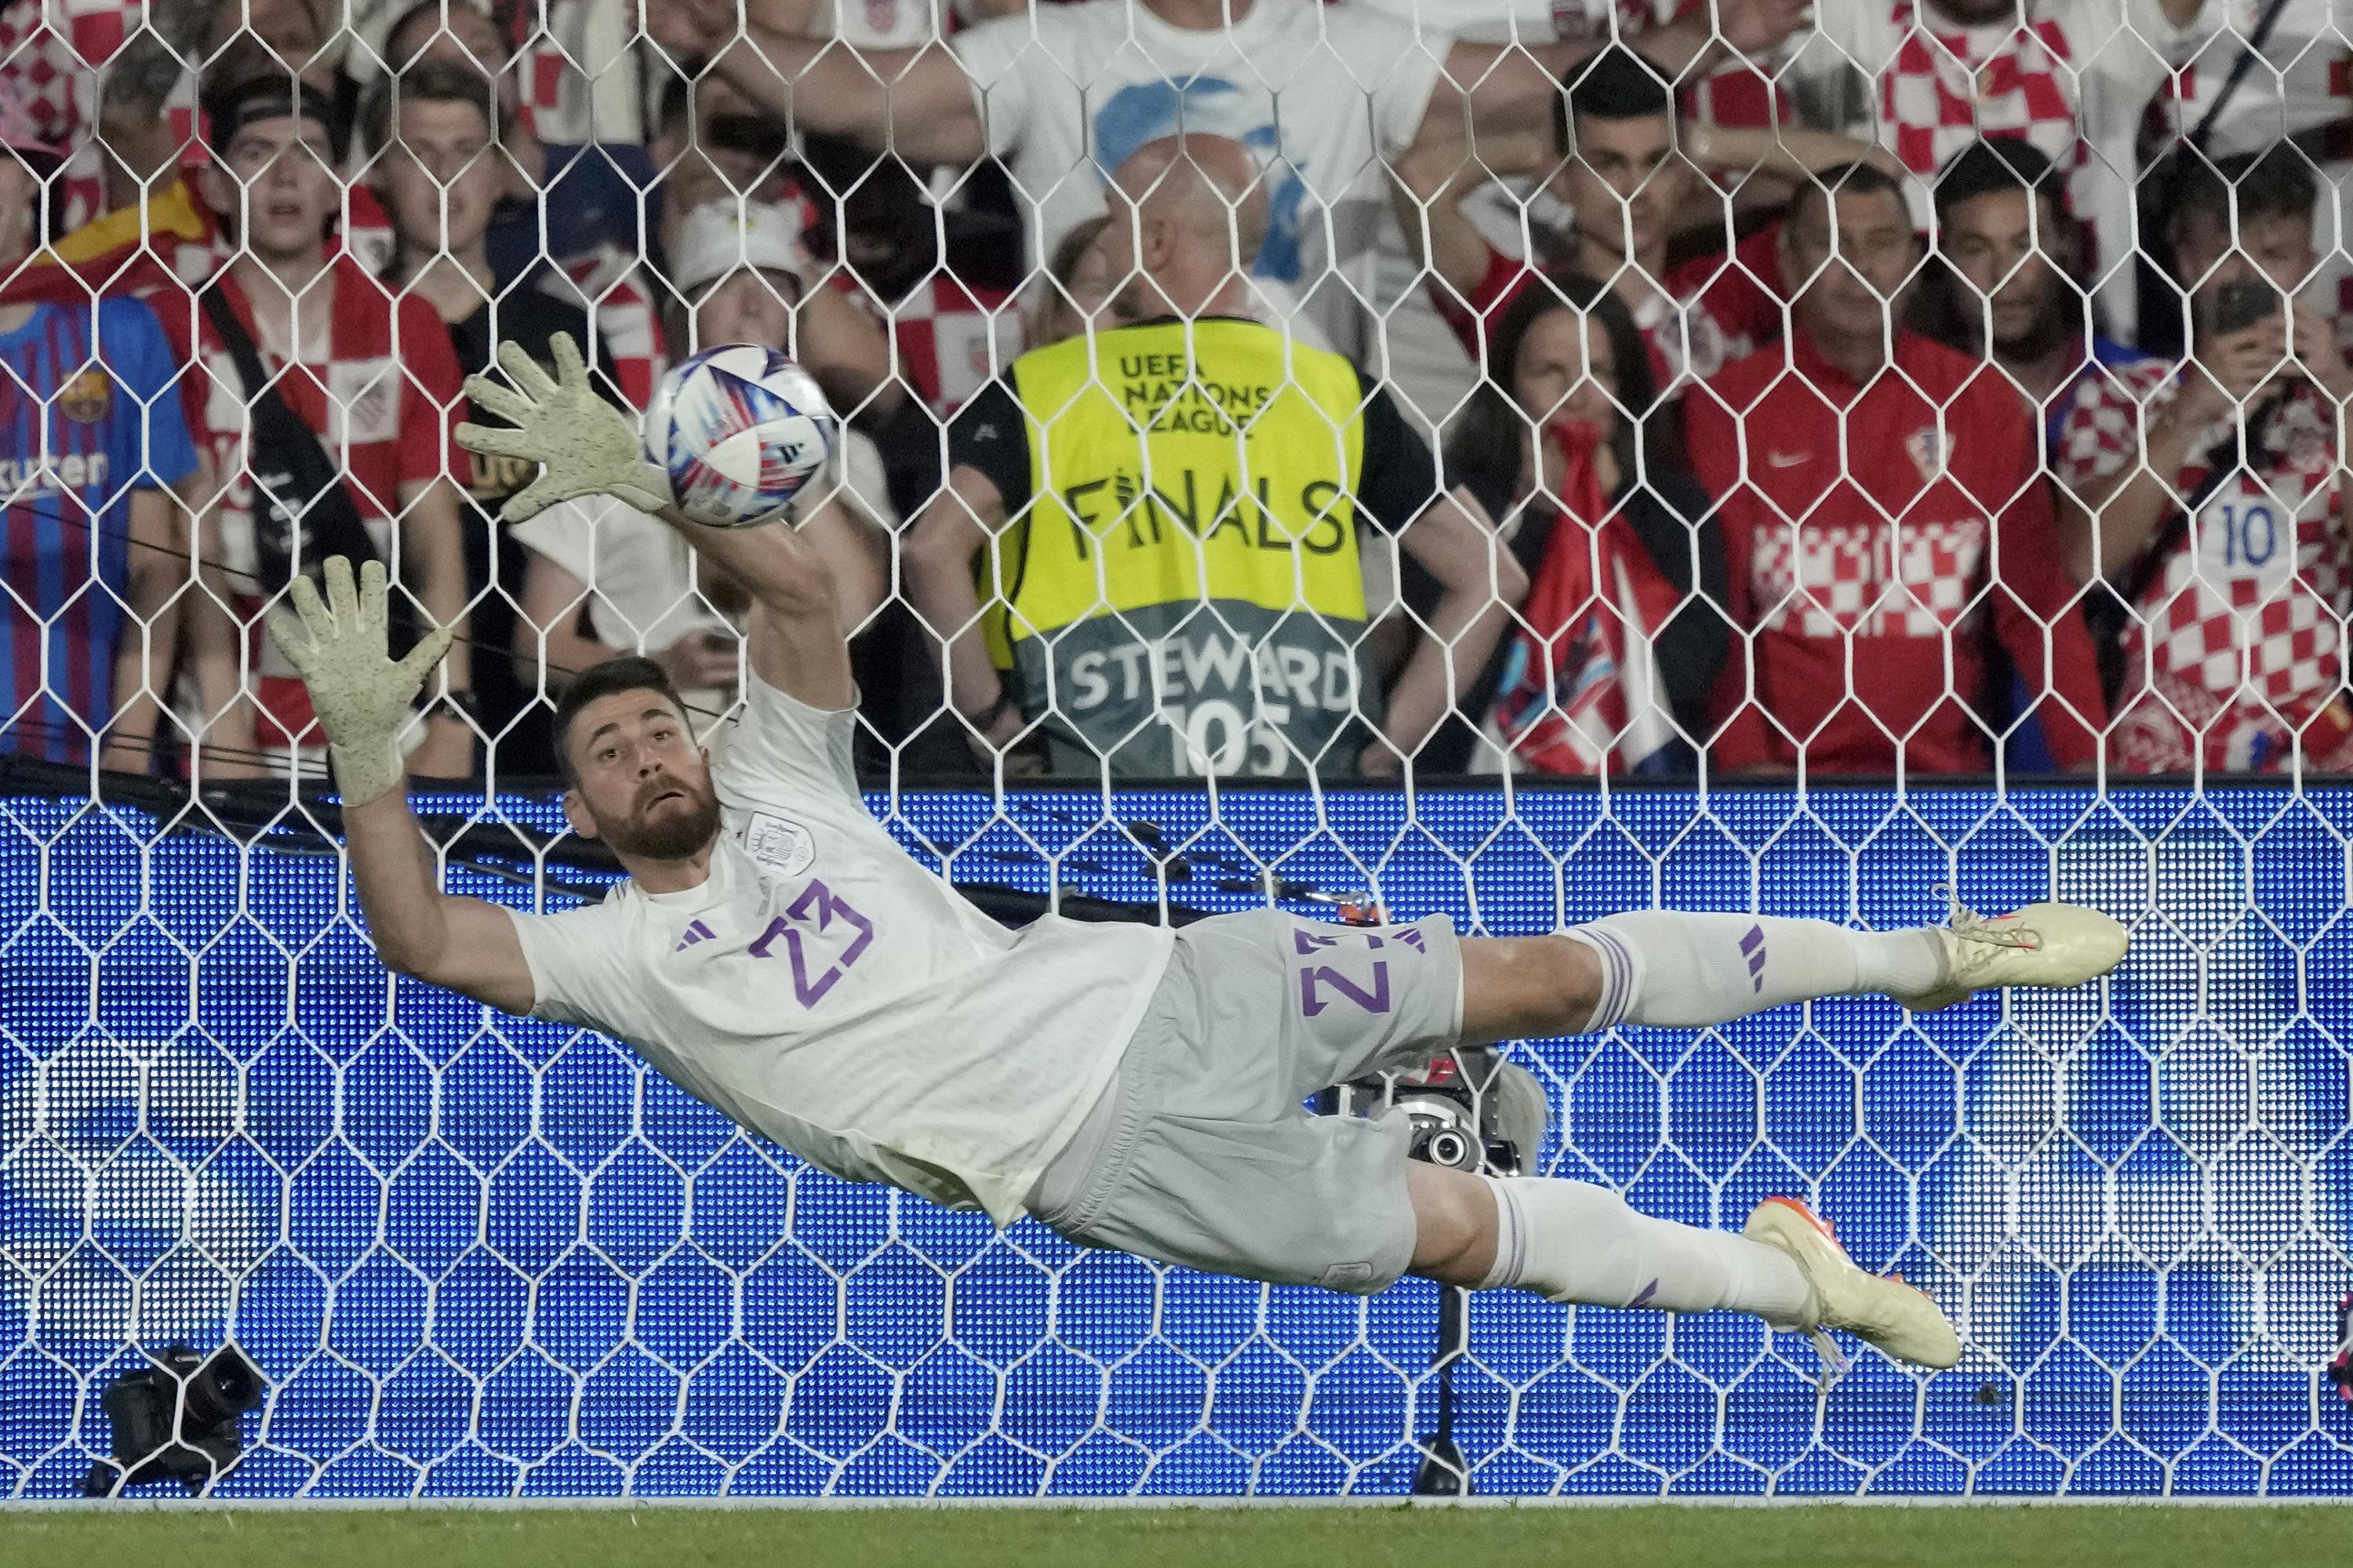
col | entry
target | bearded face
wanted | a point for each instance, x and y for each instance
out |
(641, 782)
(668, 818)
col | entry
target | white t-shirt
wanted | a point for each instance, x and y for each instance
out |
(822, 989)
(640, 573)
(2290, 90)
(1489, 21)
(1069, 91)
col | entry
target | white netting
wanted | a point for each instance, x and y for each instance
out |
(1573, 432)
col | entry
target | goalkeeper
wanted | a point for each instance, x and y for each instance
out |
(776, 954)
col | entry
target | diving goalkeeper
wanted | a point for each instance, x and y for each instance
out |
(779, 956)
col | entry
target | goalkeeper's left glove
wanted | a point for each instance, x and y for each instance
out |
(585, 445)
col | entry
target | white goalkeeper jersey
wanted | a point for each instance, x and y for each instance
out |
(824, 989)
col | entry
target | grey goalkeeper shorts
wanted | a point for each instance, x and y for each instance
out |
(1200, 1152)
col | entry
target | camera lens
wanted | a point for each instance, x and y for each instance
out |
(1448, 1147)
(220, 1390)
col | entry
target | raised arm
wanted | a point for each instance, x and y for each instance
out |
(795, 639)
(916, 102)
(1505, 88)
(1429, 185)
(157, 569)
(1479, 582)
(941, 550)
(362, 697)
(587, 447)
(1794, 151)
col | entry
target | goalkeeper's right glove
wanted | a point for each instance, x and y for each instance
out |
(585, 445)
(359, 691)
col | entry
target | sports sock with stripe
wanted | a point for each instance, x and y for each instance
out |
(1573, 1242)
(1683, 970)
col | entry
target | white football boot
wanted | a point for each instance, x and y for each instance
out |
(2051, 945)
(1899, 1318)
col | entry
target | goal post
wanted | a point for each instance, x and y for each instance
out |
(473, 1255)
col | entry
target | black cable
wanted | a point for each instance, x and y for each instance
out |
(252, 814)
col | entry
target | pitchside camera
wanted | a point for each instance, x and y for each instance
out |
(176, 1421)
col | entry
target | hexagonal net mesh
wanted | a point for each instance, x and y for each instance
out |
(1517, 460)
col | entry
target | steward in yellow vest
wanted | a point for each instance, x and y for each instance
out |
(1150, 548)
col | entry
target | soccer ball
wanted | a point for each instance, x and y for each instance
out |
(739, 429)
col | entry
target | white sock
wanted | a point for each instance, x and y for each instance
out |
(1570, 1241)
(1681, 971)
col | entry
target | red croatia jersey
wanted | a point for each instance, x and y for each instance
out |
(1871, 533)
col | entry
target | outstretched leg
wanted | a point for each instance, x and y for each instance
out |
(1572, 1242)
(1683, 970)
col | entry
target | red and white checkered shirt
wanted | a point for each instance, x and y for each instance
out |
(2300, 84)
(2099, 431)
(608, 284)
(1863, 529)
(2239, 645)
(53, 51)
(380, 388)
(1947, 86)
(558, 96)
(948, 341)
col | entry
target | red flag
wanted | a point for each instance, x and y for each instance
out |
(1580, 682)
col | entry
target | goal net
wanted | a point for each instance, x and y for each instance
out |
(1928, 613)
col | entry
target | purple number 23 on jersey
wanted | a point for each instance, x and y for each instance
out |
(817, 909)
(1316, 979)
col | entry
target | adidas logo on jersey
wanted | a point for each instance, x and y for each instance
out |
(695, 932)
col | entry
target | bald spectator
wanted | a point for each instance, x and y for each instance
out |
(1188, 595)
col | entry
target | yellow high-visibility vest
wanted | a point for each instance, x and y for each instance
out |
(1184, 592)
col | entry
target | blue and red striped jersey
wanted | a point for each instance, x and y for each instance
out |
(88, 413)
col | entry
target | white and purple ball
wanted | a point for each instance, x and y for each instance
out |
(739, 429)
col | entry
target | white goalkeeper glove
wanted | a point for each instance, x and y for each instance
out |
(360, 693)
(585, 445)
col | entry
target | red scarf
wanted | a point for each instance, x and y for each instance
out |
(1580, 682)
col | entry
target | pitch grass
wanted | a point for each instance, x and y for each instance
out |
(2150, 1536)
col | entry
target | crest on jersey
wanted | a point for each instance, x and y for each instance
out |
(779, 843)
(87, 398)
(1927, 449)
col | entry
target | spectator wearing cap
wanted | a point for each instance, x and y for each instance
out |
(746, 272)
(116, 67)
(1884, 523)
(166, 231)
(640, 585)
(2212, 514)
(431, 134)
(712, 145)
(1623, 163)
(371, 387)
(94, 554)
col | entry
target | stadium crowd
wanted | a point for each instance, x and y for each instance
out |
(1914, 386)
